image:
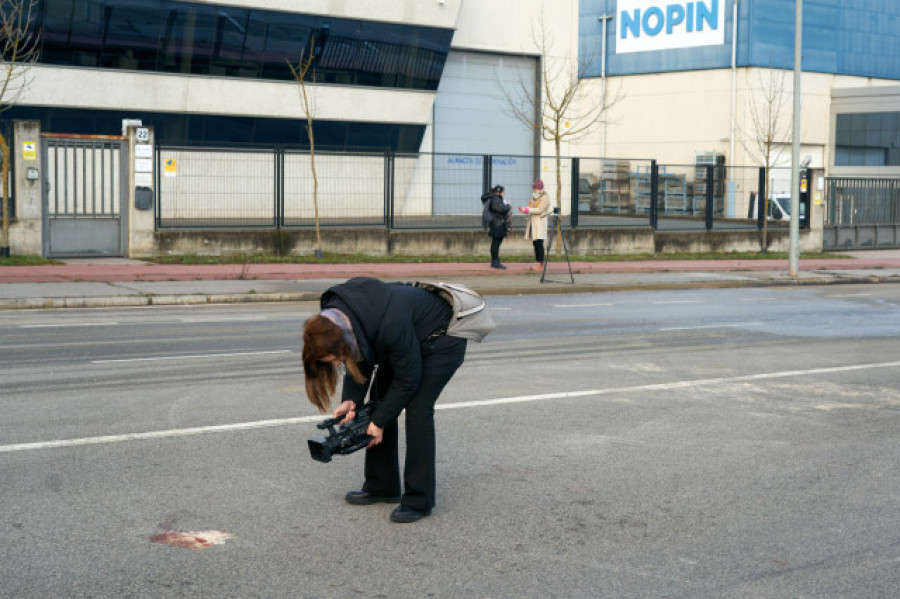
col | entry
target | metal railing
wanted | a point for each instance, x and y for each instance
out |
(274, 188)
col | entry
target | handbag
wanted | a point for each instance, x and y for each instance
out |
(470, 319)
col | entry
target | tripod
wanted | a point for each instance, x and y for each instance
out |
(554, 224)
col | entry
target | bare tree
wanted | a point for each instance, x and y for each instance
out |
(561, 110)
(770, 119)
(20, 52)
(302, 72)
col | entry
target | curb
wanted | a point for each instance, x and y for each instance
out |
(127, 301)
(122, 301)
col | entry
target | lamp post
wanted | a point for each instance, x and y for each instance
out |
(732, 193)
(603, 19)
(794, 238)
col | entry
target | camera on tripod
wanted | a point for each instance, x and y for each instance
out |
(347, 438)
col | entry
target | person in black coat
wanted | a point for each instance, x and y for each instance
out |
(392, 332)
(495, 215)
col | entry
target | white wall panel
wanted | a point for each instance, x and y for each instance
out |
(117, 90)
(471, 116)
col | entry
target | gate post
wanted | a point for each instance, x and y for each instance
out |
(487, 173)
(389, 166)
(761, 199)
(26, 163)
(141, 177)
(576, 175)
(653, 209)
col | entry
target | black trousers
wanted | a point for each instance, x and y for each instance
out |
(440, 360)
(495, 249)
(538, 250)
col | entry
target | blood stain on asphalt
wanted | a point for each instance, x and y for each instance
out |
(203, 539)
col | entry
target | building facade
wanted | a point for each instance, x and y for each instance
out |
(406, 76)
(714, 75)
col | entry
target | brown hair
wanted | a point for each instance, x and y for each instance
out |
(321, 338)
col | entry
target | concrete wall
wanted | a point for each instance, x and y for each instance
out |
(124, 90)
(380, 242)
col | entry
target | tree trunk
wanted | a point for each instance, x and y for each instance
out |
(315, 176)
(558, 231)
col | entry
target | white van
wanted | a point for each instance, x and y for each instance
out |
(779, 207)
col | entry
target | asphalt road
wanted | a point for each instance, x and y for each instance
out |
(700, 443)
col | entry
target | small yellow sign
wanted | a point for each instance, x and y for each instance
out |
(171, 167)
(29, 150)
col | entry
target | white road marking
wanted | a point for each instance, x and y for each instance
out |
(240, 426)
(230, 319)
(61, 326)
(678, 302)
(155, 322)
(665, 386)
(181, 432)
(194, 357)
(580, 305)
(713, 326)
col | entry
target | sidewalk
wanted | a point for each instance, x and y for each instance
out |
(122, 282)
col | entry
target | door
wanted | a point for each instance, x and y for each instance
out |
(85, 195)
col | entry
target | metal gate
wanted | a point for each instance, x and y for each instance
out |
(85, 195)
(861, 213)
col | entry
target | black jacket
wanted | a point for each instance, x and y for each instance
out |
(495, 214)
(390, 321)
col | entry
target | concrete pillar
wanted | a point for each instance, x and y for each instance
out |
(26, 230)
(141, 191)
(816, 235)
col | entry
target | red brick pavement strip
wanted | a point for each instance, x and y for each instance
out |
(71, 273)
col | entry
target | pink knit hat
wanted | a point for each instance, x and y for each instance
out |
(538, 184)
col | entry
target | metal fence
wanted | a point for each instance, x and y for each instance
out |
(275, 188)
(857, 201)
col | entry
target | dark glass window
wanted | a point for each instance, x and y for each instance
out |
(130, 35)
(867, 139)
(200, 129)
(206, 39)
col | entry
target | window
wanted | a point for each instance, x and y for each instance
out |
(867, 139)
(206, 39)
(200, 129)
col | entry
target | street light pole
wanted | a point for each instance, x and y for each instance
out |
(603, 19)
(794, 239)
(731, 158)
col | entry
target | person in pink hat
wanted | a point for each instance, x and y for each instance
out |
(536, 228)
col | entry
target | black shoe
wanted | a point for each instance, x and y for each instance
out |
(497, 265)
(406, 515)
(366, 498)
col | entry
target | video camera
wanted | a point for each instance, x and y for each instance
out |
(349, 437)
